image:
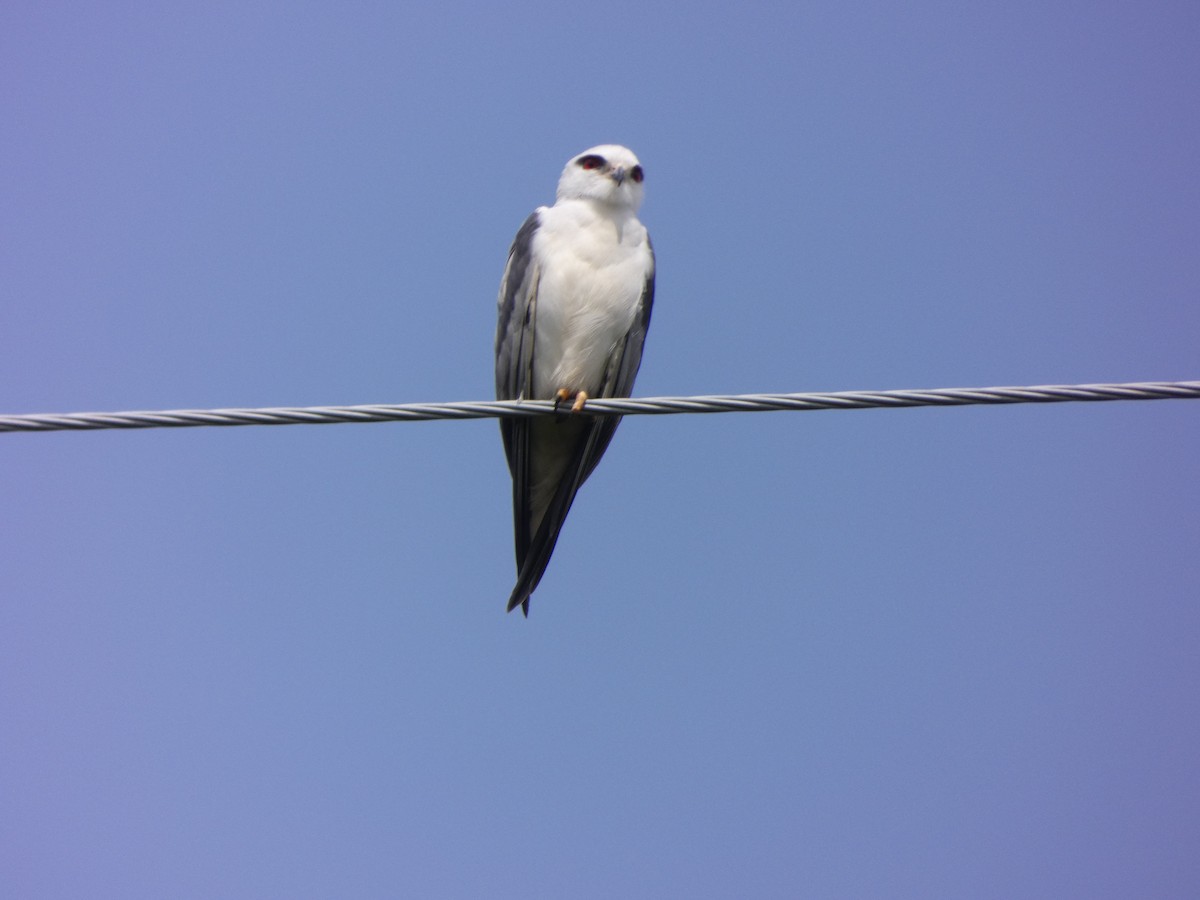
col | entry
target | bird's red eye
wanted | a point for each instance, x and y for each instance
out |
(591, 161)
(637, 174)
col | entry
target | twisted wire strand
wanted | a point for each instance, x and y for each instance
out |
(406, 412)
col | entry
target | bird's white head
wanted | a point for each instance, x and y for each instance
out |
(609, 174)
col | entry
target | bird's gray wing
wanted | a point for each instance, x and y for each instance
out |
(517, 306)
(514, 370)
(588, 437)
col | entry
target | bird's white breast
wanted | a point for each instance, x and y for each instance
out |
(593, 266)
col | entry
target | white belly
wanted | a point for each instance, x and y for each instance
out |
(592, 272)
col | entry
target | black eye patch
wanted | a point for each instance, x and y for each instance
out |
(637, 174)
(591, 161)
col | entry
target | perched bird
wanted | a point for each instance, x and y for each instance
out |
(574, 308)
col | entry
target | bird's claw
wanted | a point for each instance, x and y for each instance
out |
(562, 395)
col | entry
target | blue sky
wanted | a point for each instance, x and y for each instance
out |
(927, 653)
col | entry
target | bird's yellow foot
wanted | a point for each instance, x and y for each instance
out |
(562, 395)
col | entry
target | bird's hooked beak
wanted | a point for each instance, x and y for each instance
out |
(618, 174)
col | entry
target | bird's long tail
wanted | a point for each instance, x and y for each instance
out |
(541, 547)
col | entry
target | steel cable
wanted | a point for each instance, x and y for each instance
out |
(405, 412)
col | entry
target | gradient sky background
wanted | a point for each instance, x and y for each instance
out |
(934, 653)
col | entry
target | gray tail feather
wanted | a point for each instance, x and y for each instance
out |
(533, 566)
(541, 549)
